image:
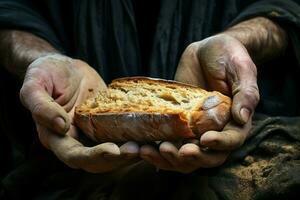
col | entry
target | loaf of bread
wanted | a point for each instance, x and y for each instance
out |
(145, 109)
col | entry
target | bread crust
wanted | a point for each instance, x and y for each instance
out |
(154, 80)
(213, 114)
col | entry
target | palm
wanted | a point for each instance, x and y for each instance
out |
(82, 82)
(52, 88)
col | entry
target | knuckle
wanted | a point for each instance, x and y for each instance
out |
(233, 139)
(193, 45)
(252, 93)
(192, 48)
(240, 61)
(247, 96)
(22, 95)
(38, 110)
(25, 91)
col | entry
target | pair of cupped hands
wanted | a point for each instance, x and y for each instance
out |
(55, 84)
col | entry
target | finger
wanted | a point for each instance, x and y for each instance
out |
(151, 155)
(75, 154)
(196, 158)
(244, 89)
(244, 102)
(193, 141)
(130, 150)
(44, 109)
(101, 158)
(232, 136)
(189, 150)
(170, 153)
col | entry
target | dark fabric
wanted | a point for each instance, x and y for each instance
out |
(108, 36)
(104, 33)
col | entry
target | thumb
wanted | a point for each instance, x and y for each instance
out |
(245, 93)
(45, 111)
(244, 103)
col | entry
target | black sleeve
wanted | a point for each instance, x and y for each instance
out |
(24, 15)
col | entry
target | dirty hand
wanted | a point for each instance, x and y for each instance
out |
(219, 63)
(53, 86)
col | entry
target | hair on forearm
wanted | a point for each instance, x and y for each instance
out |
(263, 38)
(19, 48)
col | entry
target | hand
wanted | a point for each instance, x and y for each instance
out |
(219, 63)
(52, 87)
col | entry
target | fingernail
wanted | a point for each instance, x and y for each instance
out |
(60, 125)
(245, 114)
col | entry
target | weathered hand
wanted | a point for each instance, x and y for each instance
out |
(219, 63)
(222, 63)
(52, 87)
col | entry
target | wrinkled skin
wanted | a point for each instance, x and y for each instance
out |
(52, 87)
(219, 63)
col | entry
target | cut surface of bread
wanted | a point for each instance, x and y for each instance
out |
(144, 109)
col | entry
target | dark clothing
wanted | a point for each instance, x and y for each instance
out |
(105, 33)
(115, 37)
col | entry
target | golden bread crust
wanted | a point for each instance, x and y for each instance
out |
(211, 112)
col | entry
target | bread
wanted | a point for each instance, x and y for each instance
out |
(145, 109)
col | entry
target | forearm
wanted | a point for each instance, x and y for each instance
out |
(263, 38)
(18, 49)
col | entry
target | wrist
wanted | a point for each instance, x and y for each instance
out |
(52, 56)
(19, 49)
(262, 38)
